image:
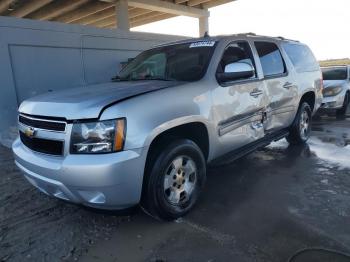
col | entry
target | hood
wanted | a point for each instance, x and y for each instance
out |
(88, 102)
(333, 83)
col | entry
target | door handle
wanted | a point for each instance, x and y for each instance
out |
(288, 85)
(256, 93)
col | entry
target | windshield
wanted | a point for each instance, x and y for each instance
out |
(334, 73)
(180, 62)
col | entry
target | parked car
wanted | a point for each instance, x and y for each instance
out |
(148, 136)
(336, 92)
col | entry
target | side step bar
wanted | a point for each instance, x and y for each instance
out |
(242, 151)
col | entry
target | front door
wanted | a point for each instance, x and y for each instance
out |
(239, 105)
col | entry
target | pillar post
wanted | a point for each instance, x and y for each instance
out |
(122, 14)
(203, 25)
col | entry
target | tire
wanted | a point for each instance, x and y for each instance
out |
(342, 111)
(177, 168)
(299, 132)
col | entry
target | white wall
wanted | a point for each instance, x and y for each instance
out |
(39, 56)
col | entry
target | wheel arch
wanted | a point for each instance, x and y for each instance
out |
(310, 98)
(196, 130)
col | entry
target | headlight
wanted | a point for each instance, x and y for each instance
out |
(98, 137)
(332, 91)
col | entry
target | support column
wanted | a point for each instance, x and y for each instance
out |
(203, 25)
(122, 14)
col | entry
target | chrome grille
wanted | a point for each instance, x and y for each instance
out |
(45, 124)
(42, 135)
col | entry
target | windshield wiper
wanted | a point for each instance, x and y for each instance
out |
(149, 77)
(118, 78)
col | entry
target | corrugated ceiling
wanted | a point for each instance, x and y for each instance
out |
(90, 12)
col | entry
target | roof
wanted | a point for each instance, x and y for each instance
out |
(102, 14)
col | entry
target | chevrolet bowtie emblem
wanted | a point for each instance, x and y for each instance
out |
(29, 132)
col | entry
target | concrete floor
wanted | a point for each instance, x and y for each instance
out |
(266, 206)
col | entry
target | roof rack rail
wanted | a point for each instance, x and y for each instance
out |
(249, 33)
(286, 39)
(277, 37)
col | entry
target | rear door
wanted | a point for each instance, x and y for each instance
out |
(281, 88)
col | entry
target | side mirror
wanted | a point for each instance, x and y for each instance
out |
(236, 71)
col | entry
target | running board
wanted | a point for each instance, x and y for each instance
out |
(242, 151)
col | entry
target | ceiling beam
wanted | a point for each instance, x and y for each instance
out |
(205, 3)
(85, 10)
(4, 5)
(196, 2)
(161, 16)
(138, 11)
(104, 22)
(170, 8)
(180, 1)
(110, 19)
(213, 3)
(57, 8)
(146, 16)
(96, 16)
(139, 18)
(151, 20)
(28, 7)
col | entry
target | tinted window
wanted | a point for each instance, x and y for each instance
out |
(182, 62)
(236, 52)
(339, 73)
(270, 57)
(301, 57)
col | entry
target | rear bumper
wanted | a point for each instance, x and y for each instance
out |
(106, 181)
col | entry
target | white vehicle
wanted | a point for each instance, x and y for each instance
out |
(336, 92)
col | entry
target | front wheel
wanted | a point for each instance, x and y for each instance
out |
(300, 130)
(174, 181)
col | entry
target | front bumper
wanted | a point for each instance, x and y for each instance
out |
(333, 102)
(106, 181)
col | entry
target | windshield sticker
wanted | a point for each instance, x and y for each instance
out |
(202, 44)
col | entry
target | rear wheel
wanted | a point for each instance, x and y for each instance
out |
(300, 130)
(174, 180)
(342, 111)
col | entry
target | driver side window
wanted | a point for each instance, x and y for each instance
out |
(238, 52)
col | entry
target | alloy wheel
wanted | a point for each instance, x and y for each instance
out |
(304, 125)
(180, 180)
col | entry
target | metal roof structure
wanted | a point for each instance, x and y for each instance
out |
(122, 14)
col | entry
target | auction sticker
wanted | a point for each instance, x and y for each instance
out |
(202, 44)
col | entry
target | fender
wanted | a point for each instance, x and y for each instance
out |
(175, 123)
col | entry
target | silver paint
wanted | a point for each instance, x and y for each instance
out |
(118, 177)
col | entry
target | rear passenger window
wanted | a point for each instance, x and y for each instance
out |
(301, 57)
(271, 59)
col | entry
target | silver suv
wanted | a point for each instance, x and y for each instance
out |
(147, 136)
